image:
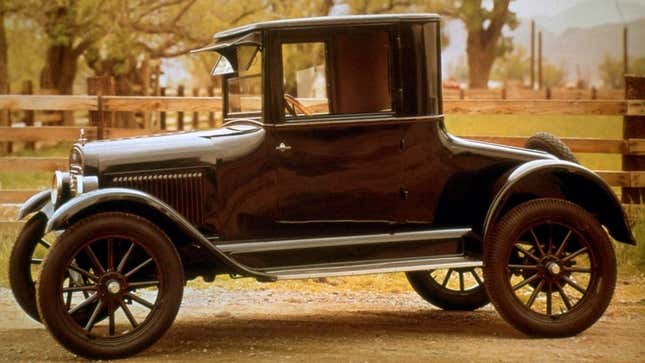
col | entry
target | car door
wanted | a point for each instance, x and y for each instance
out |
(337, 151)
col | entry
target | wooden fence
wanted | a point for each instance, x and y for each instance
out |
(529, 94)
(98, 106)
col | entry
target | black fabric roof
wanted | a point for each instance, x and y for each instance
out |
(326, 21)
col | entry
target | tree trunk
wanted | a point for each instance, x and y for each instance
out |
(59, 73)
(4, 70)
(60, 69)
(480, 61)
(4, 78)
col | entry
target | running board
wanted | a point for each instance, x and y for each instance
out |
(369, 239)
(371, 267)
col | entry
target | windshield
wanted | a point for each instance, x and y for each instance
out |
(242, 80)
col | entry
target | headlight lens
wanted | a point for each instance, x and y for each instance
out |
(60, 187)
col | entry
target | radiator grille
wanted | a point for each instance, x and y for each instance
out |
(182, 191)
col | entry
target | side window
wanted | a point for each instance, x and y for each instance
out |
(347, 74)
(304, 79)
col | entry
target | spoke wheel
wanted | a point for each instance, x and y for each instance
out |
(550, 268)
(452, 288)
(114, 265)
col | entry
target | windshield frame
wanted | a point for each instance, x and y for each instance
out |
(227, 50)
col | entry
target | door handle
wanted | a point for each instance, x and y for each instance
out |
(283, 147)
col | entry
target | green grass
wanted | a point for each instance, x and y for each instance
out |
(633, 256)
(601, 127)
(25, 180)
(8, 235)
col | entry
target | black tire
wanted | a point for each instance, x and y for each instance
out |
(525, 279)
(547, 142)
(21, 276)
(447, 294)
(127, 254)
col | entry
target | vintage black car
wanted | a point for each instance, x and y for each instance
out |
(333, 160)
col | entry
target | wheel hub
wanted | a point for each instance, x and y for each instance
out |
(553, 268)
(113, 287)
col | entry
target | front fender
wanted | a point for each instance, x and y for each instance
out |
(39, 201)
(95, 199)
(559, 178)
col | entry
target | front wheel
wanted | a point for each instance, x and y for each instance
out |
(550, 269)
(131, 273)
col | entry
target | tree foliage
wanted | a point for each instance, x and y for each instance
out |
(513, 66)
(612, 71)
(552, 75)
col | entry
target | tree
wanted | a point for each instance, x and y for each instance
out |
(71, 27)
(513, 66)
(7, 7)
(612, 72)
(552, 76)
(485, 42)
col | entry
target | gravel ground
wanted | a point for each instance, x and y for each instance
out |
(234, 325)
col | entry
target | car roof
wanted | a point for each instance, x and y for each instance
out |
(327, 21)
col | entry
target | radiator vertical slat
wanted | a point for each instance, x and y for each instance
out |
(182, 191)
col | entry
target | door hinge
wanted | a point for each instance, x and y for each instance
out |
(403, 193)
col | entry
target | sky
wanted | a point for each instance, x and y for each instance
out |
(531, 8)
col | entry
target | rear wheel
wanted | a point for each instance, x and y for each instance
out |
(550, 268)
(452, 288)
(133, 276)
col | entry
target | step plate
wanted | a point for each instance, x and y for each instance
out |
(373, 267)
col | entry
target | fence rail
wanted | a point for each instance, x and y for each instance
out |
(105, 104)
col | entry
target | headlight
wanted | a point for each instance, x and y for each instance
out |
(83, 184)
(60, 187)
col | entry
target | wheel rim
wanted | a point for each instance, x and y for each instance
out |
(459, 280)
(551, 269)
(115, 277)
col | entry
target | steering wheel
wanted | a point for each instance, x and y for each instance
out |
(294, 106)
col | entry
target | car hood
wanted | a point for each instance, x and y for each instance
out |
(171, 150)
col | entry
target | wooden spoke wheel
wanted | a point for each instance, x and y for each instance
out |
(550, 268)
(130, 272)
(452, 288)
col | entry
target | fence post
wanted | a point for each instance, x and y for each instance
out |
(100, 86)
(548, 93)
(594, 93)
(504, 93)
(28, 89)
(180, 114)
(195, 119)
(211, 115)
(162, 114)
(634, 127)
(462, 93)
(5, 120)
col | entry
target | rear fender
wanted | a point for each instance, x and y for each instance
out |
(135, 201)
(560, 179)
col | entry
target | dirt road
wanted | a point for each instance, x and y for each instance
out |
(220, 324)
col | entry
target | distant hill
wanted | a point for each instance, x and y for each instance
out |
(585, 48)
(591, 13)
(577, 38)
